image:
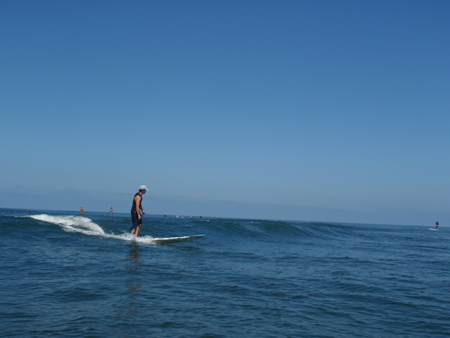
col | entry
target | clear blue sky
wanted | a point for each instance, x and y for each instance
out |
(306, 110)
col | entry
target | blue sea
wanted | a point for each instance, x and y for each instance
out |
(66, 275)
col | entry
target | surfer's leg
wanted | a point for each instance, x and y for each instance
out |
(134, 220)
(137, 229)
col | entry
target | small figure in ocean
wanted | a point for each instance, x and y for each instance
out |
(437, 226)
(81, 211)
(111, 211)
(135, 211)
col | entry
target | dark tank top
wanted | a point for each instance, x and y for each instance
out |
(133, 207)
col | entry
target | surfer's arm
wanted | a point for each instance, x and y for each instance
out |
(140, 206)
(137, 199)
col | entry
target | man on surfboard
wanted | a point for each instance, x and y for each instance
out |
(437, 225)
(135, 211)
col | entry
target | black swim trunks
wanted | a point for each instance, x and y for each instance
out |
(134, 218)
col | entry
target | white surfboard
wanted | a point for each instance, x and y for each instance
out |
(433, 229)
(174, 239)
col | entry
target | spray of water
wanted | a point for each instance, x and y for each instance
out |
(85, 226)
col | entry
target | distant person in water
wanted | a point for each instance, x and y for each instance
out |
(111, 211)
(81, 211)
(136, 209)
(437, 225)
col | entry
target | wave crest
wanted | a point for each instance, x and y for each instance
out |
(72, 223)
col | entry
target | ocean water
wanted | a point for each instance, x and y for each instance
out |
(68, 275)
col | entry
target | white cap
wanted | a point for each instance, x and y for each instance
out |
(143, 187)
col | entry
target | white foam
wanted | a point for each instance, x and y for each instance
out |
(85, 226)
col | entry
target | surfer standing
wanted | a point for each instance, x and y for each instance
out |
(437, 225)
(135, 211)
